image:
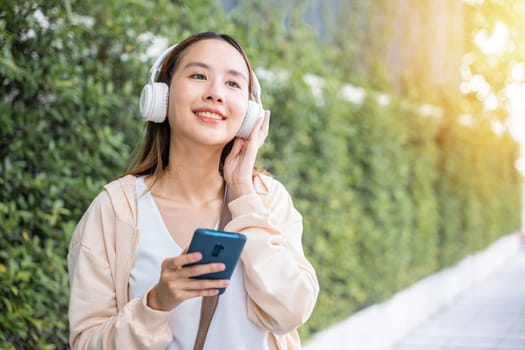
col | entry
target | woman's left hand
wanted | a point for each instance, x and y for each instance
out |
(238, 165)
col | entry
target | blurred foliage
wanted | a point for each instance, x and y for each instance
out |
(494, 49)
(388, 195)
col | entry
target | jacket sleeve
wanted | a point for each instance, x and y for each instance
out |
(281, 283)
(94, 317)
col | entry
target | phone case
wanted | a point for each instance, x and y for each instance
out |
(217, 246)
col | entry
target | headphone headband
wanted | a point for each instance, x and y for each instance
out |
(155, 68)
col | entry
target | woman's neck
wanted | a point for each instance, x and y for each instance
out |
(192, 177)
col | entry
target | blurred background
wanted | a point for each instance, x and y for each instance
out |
(396, 126)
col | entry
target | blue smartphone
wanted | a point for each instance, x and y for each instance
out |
(217, 246)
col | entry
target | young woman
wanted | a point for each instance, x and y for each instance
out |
(130, 288)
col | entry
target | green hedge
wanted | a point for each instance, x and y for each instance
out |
(392, 196)
(388, 196)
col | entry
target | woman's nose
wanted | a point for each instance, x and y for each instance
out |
(214, 92)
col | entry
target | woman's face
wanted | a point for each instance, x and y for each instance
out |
(208, 93)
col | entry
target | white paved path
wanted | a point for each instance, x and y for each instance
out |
(488, 316)
(477, 304)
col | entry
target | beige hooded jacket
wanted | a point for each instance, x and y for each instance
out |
(281, 284)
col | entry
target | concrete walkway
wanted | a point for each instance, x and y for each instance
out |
(477, 304)
(490, 315)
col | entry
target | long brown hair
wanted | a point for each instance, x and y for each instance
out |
(153, 156)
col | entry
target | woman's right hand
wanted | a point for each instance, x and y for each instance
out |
(176, 283)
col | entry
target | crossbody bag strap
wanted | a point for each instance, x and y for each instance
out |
(209, 304)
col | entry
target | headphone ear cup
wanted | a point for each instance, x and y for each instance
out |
(252, 115)
(154, 102)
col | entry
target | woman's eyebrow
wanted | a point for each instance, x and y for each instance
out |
(237, 74)
(207, 67)
(197, 64)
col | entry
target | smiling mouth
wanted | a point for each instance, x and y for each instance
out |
(209, 115)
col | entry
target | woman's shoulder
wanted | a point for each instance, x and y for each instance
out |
(121, 183)
(119, 194)
(267, 183)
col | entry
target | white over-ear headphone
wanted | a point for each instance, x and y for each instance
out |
(154, 99)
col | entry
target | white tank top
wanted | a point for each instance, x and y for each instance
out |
(230, 327)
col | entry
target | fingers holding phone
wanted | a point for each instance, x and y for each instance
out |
(204, 270)
(178, 281)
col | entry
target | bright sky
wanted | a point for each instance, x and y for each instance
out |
(496, 43)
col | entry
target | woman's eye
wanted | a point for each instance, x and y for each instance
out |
(233, 84)
(198, 76)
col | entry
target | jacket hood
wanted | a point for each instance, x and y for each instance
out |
(121, 192)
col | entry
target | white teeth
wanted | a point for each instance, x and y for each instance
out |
(209, 115)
